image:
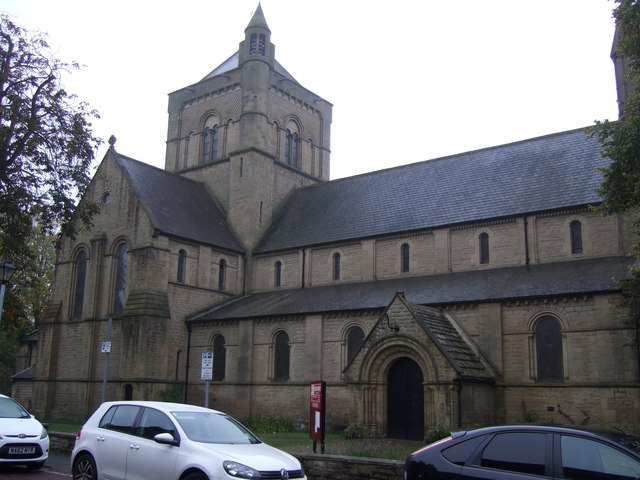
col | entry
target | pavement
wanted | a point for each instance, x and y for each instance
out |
(59, 462)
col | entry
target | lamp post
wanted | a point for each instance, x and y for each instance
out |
(7, 269)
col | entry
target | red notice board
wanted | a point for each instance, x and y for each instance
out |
(317, 410)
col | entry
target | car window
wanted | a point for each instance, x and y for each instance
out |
(516, 452)
(9, 408)
(459, 453)
(154, 422)
(120, 418)
(213, 428)
(584, 458)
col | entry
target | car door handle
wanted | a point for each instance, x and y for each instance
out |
(100, 439)
(134, 447)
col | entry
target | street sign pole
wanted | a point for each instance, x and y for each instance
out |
(206, 373)
(106, 349)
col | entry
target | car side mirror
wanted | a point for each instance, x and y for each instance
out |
(166, 439)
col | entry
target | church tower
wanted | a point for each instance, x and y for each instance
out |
(251, 132)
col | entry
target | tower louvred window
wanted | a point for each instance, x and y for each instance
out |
(257, 44)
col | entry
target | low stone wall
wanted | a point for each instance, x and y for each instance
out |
(62, 442)
(316, 466)
(334, 467)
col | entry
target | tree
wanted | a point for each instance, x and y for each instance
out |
(46, 143)
(46, 150)
(620, 141)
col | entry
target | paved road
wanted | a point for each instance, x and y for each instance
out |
(56, 468)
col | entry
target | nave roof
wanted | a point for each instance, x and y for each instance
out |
(546, 173)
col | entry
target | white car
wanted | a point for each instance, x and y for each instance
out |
(23, 439)
(173, 441)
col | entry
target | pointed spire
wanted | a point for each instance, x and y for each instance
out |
(257, 40)
(258, 20)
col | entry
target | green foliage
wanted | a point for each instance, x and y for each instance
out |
(8, 349)
(46, 143)
(25, 300)
(46, 150)
(175, 393)
(620, 141)
(570, 420)
(437, 433)
(527, 415)
(354, 432)
(261, 426)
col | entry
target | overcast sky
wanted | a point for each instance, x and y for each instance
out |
(409, 80)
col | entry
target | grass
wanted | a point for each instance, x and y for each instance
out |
(299, 443)
(336, 444)
(60, 427)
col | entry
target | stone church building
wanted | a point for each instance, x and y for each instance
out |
(473, 289)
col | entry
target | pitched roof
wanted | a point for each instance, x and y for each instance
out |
(179, 206)
(232, 62)
(541, 174)
(446, 337)
(552, 279)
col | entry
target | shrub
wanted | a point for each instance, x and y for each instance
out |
(436, 433)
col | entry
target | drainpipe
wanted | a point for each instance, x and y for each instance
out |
(526, 240)
(304, 256)
(458, 380)
(244, 274)
(186, 374)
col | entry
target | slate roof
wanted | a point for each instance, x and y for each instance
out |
(544, 280)
(232, 62)
(447, 338)
(28, 373)
(179, 206)
(540, 174)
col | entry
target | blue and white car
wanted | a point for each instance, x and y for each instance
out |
(23, 439)
(172, 441)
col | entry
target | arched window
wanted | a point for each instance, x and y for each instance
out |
(291, 148)
(277, 274)
(182, 265)
(576, 236)
(210, 144)
(80, 277)
(282, 353)
(336, 266)
(120, 286)
(548, 340)
(484, 247)
(222, 274)
(404, 257)
(219, 358)
(355, 338)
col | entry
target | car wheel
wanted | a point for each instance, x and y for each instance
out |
(84, 468)
(196, 476)
(35, 465)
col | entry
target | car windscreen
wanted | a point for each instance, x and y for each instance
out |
(211, 427)
(11, 409)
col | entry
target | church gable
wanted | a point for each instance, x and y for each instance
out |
(178, 206)
(445, 334)
(426, 335)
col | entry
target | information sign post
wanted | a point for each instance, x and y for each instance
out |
(206, 373)
(317, 410)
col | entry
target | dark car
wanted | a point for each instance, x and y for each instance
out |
(527, 452)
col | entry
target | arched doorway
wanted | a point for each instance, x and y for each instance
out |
(405, 400)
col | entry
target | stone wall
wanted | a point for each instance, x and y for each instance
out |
(333, 467)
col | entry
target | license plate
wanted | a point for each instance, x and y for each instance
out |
(21, 450)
